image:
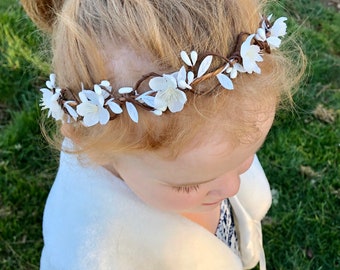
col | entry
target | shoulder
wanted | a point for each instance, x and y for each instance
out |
(254, 192)
(250, 205)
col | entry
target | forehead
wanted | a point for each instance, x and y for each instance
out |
(207, 158)
(199, 164)
(127, 65)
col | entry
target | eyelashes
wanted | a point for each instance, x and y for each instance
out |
(186, 189)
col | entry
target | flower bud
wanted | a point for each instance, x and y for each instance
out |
(261, 34)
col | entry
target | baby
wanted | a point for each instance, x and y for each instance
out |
(163, 106)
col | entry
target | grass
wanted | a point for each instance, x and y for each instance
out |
(301, 155)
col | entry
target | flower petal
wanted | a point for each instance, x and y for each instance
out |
(194, 57)
(274, 42)
(97, 89)
(186, 58)
(57, 113)
(51, 83)
(233, 73)
(170, 81)
(125, 90)
(279, 27)
(52, 78)
(86, 108)
(90, 120)
(269, 17)
(82, 96)
(184, 85)
(246, 45)
(114, 107)
(147, 93)
(204, 66)
(182, 74)
(94, 98)
(47, 94)
(161, 101)
(181, 79)
(225, 81)
(190, 77)
(157, 83)
(149, 100)
(70, 110)
(239, 67)
(157, 112)
(256, 69)
(132, 111)
(177, 102)
(105, 83)
(260, 34)
(104, 116)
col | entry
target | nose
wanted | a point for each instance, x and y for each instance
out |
(225, 186)
(228, 184)
(246, 164)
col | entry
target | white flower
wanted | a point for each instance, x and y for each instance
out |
(277, 30)
(168, 95)
(250, 55)
(232, 70)
(49, 101)
(273, 42)
(92, 108)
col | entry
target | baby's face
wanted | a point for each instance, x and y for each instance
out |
(197, 180)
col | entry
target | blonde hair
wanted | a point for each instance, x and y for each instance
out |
(83, 30)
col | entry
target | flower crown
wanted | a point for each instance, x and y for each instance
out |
(167, 91)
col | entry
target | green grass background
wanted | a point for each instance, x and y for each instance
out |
(300, 157)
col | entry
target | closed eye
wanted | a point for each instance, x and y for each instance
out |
(186, 189)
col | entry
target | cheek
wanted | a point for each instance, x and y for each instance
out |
(164, 198)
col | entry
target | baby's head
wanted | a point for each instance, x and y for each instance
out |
(121, 41)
